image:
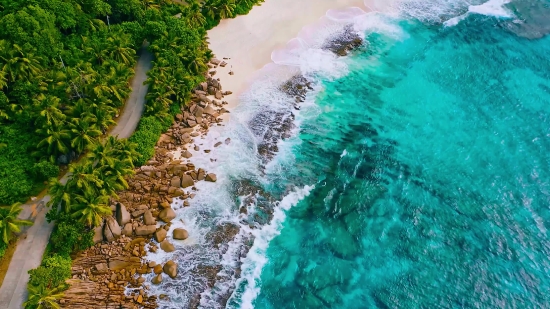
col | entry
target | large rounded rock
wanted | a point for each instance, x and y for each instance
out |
(211, 177)
(175, 182)
(157, 269)
(98, 233)
(180, 234)
(148, 218)
(341, 241)
(160, 234)
(128, 229)
(187, 181)
(157, 279)
(122, 214)
(166, 246)
(171, 269)
(111, 230)
(145, 230)
(167, 215)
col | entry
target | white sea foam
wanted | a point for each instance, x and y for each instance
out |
(256, 257)
(495, 8)
(492, 8)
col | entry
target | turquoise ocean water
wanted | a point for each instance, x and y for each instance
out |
(415, 174)
(428, 173)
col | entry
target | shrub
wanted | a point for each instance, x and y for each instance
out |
(44, 170)
(69, 237)
(53, 271)
(146, 137)
(16, 183)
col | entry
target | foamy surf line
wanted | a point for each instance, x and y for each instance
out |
(256, 257)
(493, 8)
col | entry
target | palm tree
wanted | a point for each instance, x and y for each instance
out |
(225, 9)
(209, 9)
(113, 83)
(78, 78)
(3, 79)
(96, 24)
(195, 19)
(90, 209)
(54, 82)
(20, 65)
(84, 132)
(160, 100)
(83, 108)
(95, 50)
(84, 179)
(103, 118)
(120, 49)
(197, 66)
(124, 149)
(59, 195)
(56, 139)
(101, 153)
(9, 223)
(40, 297)
(49, 113)
(113, 175)
(151, 4)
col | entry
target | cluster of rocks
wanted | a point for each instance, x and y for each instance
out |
(272, 126)
(204, 110)
(142, 215)
(101, 274)
(346, 41)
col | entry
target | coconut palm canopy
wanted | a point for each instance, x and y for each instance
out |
(9, 223)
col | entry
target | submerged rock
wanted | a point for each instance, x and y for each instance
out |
(334, 272)
(341, 241)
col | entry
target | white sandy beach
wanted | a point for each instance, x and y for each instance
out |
(249, 40)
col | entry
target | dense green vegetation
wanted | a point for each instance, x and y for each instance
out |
(47, 282)
(65, 67)
(63, 74)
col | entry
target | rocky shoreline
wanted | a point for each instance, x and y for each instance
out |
(112, 274)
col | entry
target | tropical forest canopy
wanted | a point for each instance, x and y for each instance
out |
(65, 67)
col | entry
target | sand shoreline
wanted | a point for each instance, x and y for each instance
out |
(249, 40)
